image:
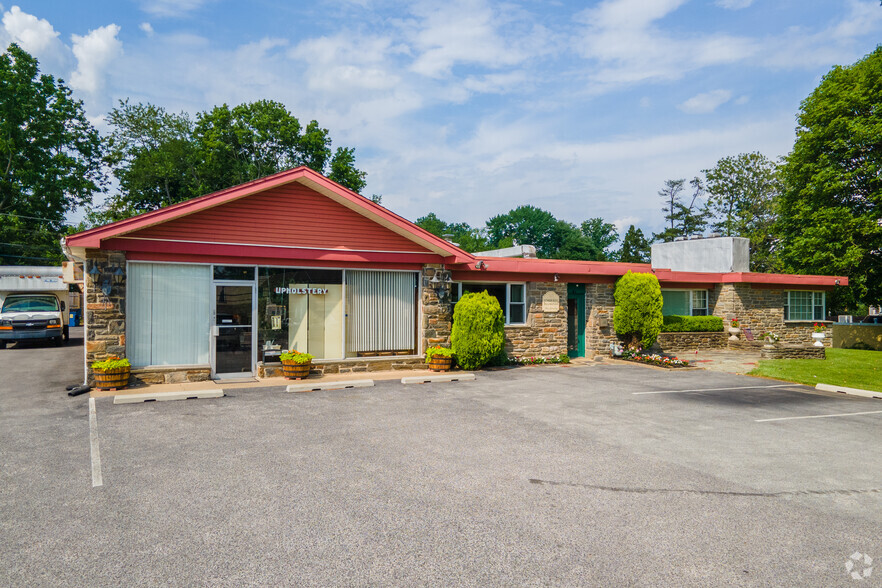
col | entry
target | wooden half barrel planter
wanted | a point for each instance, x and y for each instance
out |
(112, 379)
(440, 363)
(296, 371)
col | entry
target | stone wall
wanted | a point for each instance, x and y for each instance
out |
(792, 352)
(680, 342)
(105, 314)
(348, 366)
(857, 337)
(436, 308)
(760, 310)
(599, 306)
(169, 375)
(545, 333)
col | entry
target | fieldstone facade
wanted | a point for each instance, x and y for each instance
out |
(545, 333)
(759, 309)
(682, 342)
(792, 352)
(436, 312)
(105, 313)
(599, 306)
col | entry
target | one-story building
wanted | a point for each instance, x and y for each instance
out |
(217, 286)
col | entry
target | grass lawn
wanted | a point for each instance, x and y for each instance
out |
(844, 367)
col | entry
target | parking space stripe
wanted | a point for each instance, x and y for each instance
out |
(712, 389)
(818, 416)
(93, 443)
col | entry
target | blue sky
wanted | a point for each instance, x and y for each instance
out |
(468, 108)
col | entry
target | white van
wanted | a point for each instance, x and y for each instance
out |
(33, 304)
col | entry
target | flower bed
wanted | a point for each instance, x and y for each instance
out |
(563, 358)
(653, 359)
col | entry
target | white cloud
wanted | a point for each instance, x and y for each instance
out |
(147, 28)
(734, 4)
(36, 36)
(705, 102)
(622, 224)
(171, 8)
(94, 52)
(470, 32)
(625, 44)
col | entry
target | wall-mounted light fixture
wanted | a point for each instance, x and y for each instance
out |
(106, 280)
(481, 265)
(557, 277)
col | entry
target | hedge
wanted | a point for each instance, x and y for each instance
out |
(674, 323)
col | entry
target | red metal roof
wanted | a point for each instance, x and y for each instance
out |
(299, 215)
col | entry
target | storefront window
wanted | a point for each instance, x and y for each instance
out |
(512, 299)
(234, 272)
(302, 309)
(381, 313)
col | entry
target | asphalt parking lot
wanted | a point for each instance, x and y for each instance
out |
(594, 475)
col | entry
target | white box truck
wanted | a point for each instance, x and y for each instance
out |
(33, 304)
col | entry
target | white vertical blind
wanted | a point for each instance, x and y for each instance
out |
(380, 311)
(168, 314)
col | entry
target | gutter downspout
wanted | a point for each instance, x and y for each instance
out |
(69, 254)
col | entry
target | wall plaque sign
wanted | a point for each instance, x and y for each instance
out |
(550, 302)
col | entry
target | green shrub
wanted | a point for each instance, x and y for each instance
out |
(675, 323)
(638, 312)
(478, 334)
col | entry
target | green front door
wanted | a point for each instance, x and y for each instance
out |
(576, 320)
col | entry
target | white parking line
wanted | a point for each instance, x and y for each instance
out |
(818, 416)
(711, 389)
(93, 443)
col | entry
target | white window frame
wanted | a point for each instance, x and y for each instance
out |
(691, 290)
(815, 295)
(508, 302)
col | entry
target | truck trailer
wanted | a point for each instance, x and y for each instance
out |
(33, 304)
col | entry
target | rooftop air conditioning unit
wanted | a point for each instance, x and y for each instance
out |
(679, 238)
(714, 235)
(845, 318)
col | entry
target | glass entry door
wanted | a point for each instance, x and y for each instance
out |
(233, 330)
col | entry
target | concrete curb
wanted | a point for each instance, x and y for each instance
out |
(437, 378)
(162, 396)
(341, 385)
(851, 391)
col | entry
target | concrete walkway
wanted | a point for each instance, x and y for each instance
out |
(723, 360)
(258, 383)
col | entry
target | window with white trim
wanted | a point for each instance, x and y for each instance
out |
(512, 298)
(684, 302)
(805, 305)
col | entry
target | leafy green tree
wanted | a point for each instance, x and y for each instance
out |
(743, 190)
(635, 247)
(638, 311)
(50, 157)
(463, 235)
(478, 334)
(831, 204)
(160, 158)
(153, 155)
(527, 225)
(603, 235)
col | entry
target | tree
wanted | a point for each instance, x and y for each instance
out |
(527, 225)
(831, 203)
(638, 311)
(635, 247)
(50, 158)
(161, 158)
(602, 234)
(743, 190)
(478, 335)
(462, 235)
(684, 219)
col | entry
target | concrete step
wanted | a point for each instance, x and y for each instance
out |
(846, 390)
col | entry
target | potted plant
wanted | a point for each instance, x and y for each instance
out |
(440, 359)
(111, 373)
(734, 329)
(770, 338)
(818, 334)
(295, 365)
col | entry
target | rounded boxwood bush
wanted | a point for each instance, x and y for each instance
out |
(638, 312)
(478, 335)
